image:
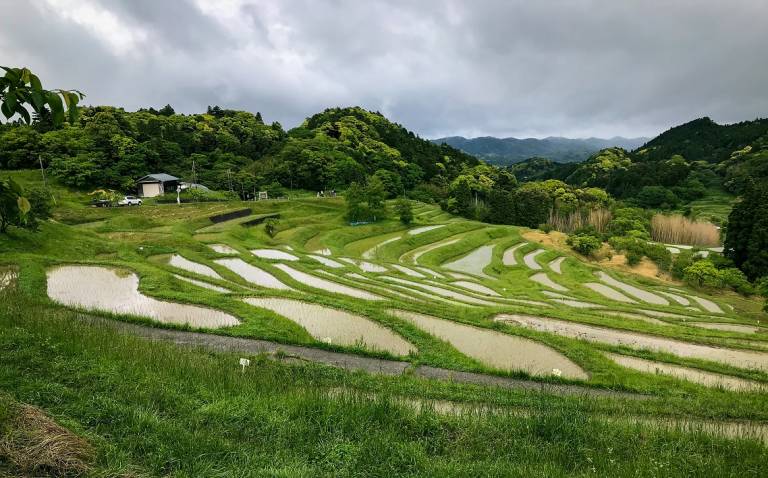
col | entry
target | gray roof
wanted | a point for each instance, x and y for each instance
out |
(157, 178)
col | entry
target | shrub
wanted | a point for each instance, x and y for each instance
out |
(584, 244)
(656, 197)
(270, 226)
(633, 257)
(703, 273)
(404, 211)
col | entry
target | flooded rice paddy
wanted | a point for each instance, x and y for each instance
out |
(556, 264)
(223, 249)
(708, 379)
(473, 263)
(509, 259)
(530, 259)
(326, 285)
(475, 287)
(253, 274)
(430, 272)
(364, 265)
(496, 349)
(326, 261)
(636, 292)
(609, 293)
(543, 279)
(442, 292)
(336, 326)
(108, 290)
(591, 333)
(408, 272)
(189, 266)
(745, 329)
(274, 254)
(420, 230)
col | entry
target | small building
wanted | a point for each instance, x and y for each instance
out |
(153, 185)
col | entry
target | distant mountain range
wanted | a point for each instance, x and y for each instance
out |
(505, 151)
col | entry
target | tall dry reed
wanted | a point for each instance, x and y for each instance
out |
(597, 218)
(677, 229)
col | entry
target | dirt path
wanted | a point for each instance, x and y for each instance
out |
(348, 361)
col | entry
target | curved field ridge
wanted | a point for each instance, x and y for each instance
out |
(407, 271)
(117, 292)
(474, 262)
(745, 329)
(252, 274)
(202, 284)
(677, 298)
(183, 263)
(509, 259)
(496, 349)
(708, 379)
(641, 294)
(430, 272)
(420, 251)
(590, 333)
(326, 262)
(475, 287)
(273, 254)
(364, 265)
(543, 279)
(609, 293)
(326, 285)
(336, 326)
(530, 259)
(707, 304)
(556, 264)
(420, 230)
(371, 253)
(441, 291)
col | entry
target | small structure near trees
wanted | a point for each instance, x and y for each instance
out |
(153, 185)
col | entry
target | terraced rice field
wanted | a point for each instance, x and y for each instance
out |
(471, 295)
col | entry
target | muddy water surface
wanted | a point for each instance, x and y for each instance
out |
(252, 274)
(223, 249)
(274, 254)
(472, 263)
(509, 259)
(326, 285)
(746, 329)
(202, 284)
(184, 263)
(708, 379)
(336, 326)
(109, 290)
(641, 294)
(441, 291)
(609, 293)
(543, 279)
(591, 333)
(475, 287)
(495, 349)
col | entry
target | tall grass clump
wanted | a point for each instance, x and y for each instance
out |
(575, 220)
(677, 229)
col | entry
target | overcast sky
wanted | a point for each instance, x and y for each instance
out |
(504, 68)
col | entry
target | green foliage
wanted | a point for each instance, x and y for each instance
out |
(703, 273)
(746, 241)
(404, 211)
(20, 88)
(584, 244)
(635, 247)
(270, 226)
(656, 197)
(15, 207)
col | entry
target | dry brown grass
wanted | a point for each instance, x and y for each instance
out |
(38, 446)
(597, 218)
(677, 229)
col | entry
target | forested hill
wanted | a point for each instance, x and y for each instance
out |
(505, 151)
(341, 145)
(108, 147)
(681, 164)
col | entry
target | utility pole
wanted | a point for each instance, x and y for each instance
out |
(229, 176)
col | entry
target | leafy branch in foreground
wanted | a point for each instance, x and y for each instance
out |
(20, 89)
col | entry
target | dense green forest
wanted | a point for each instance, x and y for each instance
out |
(108, 147)
(678, 166)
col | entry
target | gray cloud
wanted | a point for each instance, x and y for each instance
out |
(506, 67)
